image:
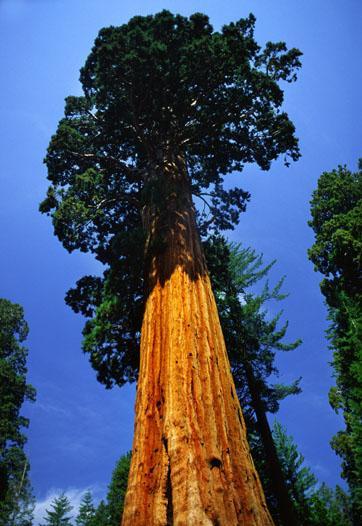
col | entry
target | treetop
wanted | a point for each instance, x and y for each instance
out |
(158, 88)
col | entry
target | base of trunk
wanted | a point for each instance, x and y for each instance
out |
(191, 463)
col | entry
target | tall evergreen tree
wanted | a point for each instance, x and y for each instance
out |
(86, 511)
(16, 499)
(299, 478)
(316, 506)
(58, 515)
(336, 209)
(252, 339)
(170, 107)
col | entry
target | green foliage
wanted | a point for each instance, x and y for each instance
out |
(336, 210)
(330, 508)
(299, 478)
(58, 514)
(316, 506)
(252, 338)
(161, 89)
(250, 334)
(117, 489)
(16, 500)
(86, 511)
(101, 516)
(109, 513)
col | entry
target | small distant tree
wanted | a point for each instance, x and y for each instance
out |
(16, 498)
(101, 516)
(107, 513)
(86, 511)
(58, 514)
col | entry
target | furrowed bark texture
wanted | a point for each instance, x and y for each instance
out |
(191, 463)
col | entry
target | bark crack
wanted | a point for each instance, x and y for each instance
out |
(168, 492)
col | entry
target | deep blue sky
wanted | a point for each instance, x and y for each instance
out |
(78, 429)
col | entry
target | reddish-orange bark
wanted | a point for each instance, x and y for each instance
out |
(191, 463)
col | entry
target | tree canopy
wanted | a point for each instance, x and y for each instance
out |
(155, 89)
(336, 210)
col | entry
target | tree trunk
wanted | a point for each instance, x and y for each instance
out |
(284, 503)
(191, 463)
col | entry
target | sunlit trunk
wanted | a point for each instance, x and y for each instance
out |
(191, 463)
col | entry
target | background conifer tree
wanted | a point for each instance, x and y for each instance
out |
(58, 514)
(299, 478)
(86, 511)
(117, 489)
(252, 339)
(16, 499)
(109, 513)
(330, 507)
(101, 516)
(315, 505)
(336, 209)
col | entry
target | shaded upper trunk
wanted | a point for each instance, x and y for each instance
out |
(169, 222)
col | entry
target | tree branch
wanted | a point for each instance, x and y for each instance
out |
(133, 172)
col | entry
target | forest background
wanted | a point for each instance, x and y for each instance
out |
(78, 429)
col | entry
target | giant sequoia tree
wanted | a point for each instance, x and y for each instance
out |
(170, 107)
